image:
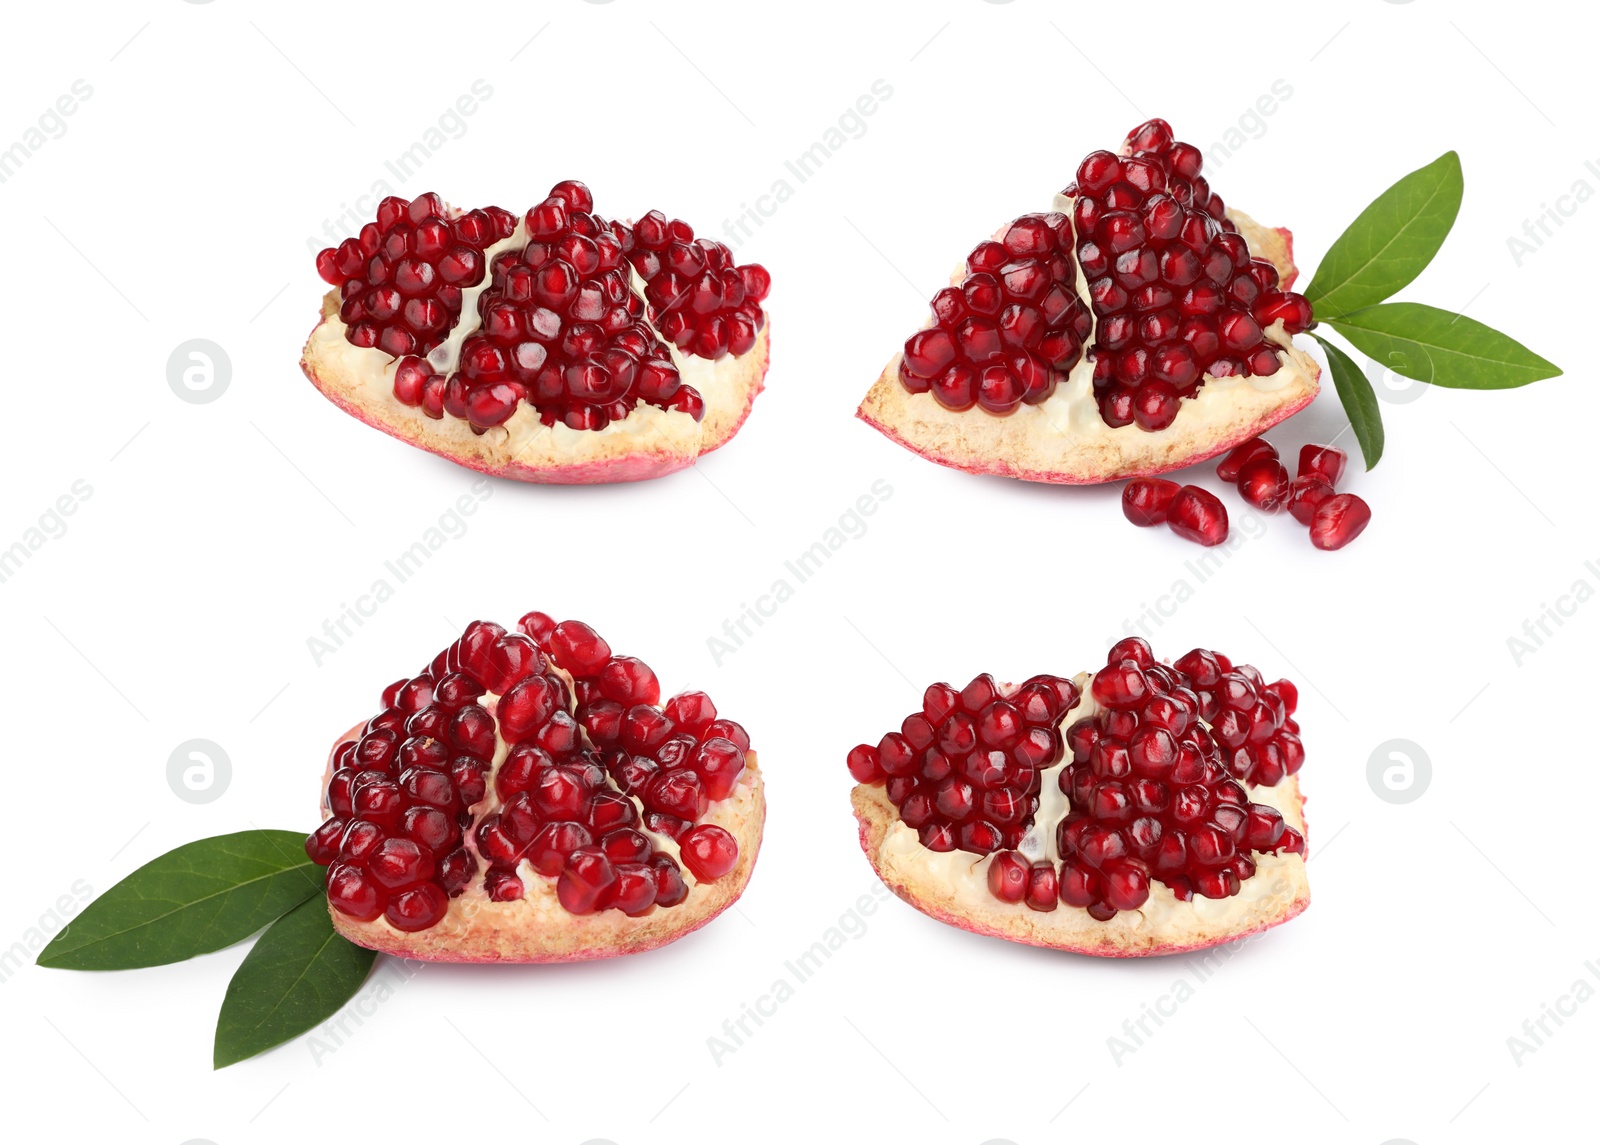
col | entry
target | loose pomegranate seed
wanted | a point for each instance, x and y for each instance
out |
(1196, 515)
(1158, 252)
(1145, 500)
(1338, 520)
(1010, 331)
(1305, 494)
(1241, 455)
(1264, 483)
(1323, 461)
(403, 794)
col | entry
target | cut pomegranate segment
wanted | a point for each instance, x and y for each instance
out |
(557, 348)
(1146, 809)
(528, 798)
(1138, 328)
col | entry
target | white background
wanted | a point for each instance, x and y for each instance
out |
(219, 537)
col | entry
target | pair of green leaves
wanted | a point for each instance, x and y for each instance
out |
(1388, 245)
(212, 893)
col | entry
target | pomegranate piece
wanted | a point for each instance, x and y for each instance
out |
(1173, 781)
(1196, 515)
(410, 833)
(1009, 331)
(1145, 501)
(1175, 292)
(552, 322)
(1338, 520)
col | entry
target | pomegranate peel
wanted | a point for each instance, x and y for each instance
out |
(1063, 440)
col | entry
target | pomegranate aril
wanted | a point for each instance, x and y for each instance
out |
(1338, 520)
(1145, 500)
(1196, 515)
(1240, 455)
(1322, 461)
(353, 892)
(1305, 494)
(1264, 483)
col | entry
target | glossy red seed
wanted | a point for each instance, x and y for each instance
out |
(709, 852)
(1322, 461)
(1338, 520)
(1264, 483)
(1196, 515)
(1237, 457)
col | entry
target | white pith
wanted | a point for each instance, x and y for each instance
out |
(954, 884)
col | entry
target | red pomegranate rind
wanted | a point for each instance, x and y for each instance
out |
(1152, 794)
(510, 803)
(559, 329)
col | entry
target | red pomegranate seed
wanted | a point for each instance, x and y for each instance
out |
(1305, 494)
(1338, 520)
(1229, 467)
(1145, 500)
(1264, 483)
(1198, 516)
(1323, 461)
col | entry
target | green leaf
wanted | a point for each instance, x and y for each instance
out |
(299, 973)
(1390, 242)
(1360, 403)
(1445, 349)
(198, 898)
